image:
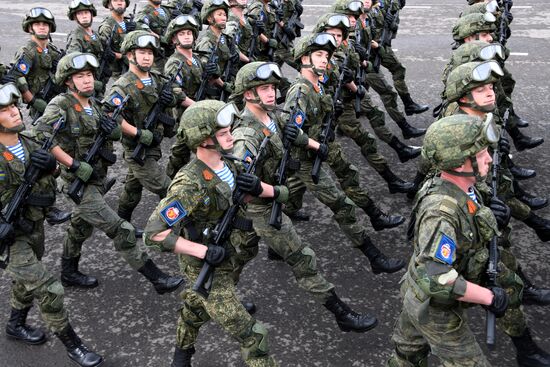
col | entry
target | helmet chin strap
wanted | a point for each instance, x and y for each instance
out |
(472, 104)
(85, 25)
(144, 69)
(79, 93)
(217, 147)
(474, 173)
(258, 101)
(41, 36)
(316, 71)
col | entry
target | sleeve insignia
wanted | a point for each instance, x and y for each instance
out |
(23, 67)
(173, 213)
(472, 207)
(139, 84)
(445, 250)
(299, 118)
(247, 159)
(8, 156)
(77, 107)
(2, 175)
(116, 99)
(222, 39)
(207, 174)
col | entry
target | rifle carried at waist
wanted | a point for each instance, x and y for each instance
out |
(360, 75)
(103, 70)
(503, 26)
(276, 29)
(386, 37)
(213, 58)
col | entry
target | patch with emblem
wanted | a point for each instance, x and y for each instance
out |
(299, 118)
(116, 99)
(445, 250)
(207, 174)
(2, 175)
(179, 80)
(77, 107)
(222, 39)
(8, 156)
(247, 159)
(146, 20)
(23, 67)
(139, 84)
(173, 213)
(472, 207)
(323, 78)
(206, 200)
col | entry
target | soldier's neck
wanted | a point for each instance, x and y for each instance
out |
(84, 101)
(43, 44)
(9, 139)
(310, 76)
(88, 30)
(118, 17)
(259, 113)
(473, 112)
(216, 30)
(187, 52)
(463, 183)
(140, 74)
(212, 158)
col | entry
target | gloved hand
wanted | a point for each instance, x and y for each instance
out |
(279, 12)
(109, 54)
(82, 170)
(215, 255)
(402, 3)
(157, 138)
(8, 78)
(361, 50)
(388, 20)
(212, 69)
(130, 26)
(249, 183)
(43, 160)
(338, 109)
(322, 152)
(260, 25)
(228, 87)
(504, 145)
(280, 194)
(106, 124)
(197, 4)
(509, 17)
(272, 43)
(289, 31)
(144, 136)
(510, 4)
(38, 104)
(361, 91)
(291, 132)
(299, 8)
(348, 74)
(500, 302)
(501, 211)
(166, 97)
(175, 13)
(6, 232)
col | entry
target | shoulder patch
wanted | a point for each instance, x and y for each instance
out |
(139, 84)
(445, 250)
(77, 107)
(116, 99)
(472, 207)
(173, 213)
(299, 118)
(207, 175)
(8, 156)
(247, 159)
(266, 132)
(23, 67)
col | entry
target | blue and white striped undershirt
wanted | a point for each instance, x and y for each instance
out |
(226, 176)
(147, 81)
(321, 91)
(161, 12)
(89, 111)
(272, 126)
(122, 25)
(93, 36)
(472, 195)
(18, 151)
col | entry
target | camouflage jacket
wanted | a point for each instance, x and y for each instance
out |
(104, 31)
(333, 69)
(258, 10)
(150, 17)
(80, 41)
(208, 41)
(240, 31)
(190, 76)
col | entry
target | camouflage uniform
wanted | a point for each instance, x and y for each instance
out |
(153, 18)
(118, 66)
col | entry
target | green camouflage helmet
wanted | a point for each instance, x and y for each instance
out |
(313, 42)
(202, 119)
(73, 63)
(472, 24)
(451, 140)
(256, 73)
(107, 3)
(348, 7)
(77, 5)
(184, 21)
(140, 39)
(38, 14)
(209, 6)
(490, 7)
(471, 75)
(477, 51)
(9, 94)
(333, 20)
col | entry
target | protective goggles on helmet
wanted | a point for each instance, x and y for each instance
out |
(220, 2)
(8, 94)
(75, 3)
(488, 52)
(489, 133)
(489, 18)
(226, 115)
(184, 19)
(492, 7)
(355, 6)
(483, 71)
(265, 71)
(80, 61)
(338, 20)
(146, 40)
(323, 39)
(37, 12)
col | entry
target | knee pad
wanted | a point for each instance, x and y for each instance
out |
(418, 359)
(369, 147)
(125, 237)
(348, 177)
(303, 262)
(254, 342)
(51, 300)
(194, 316)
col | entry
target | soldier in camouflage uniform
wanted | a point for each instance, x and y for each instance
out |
(197, 199)
(144, 88)
(154, 16)
(179, 7)
(338, 25)
(22, 245)
(122, 26)
(256, 83)
(84, 120)
(313, 54)
(214, 14)
(239, 28)
(451, 227)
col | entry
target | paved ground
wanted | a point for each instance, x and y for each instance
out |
(127, 322)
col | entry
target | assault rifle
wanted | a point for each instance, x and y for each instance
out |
(132, 14)
(280, 175)
(275, 5)
(220, 234)
(213, 58)
(360, 76)
(156, 115)
(295, 25)
(503, 27)
(227, 72)
(326, 131)
(253, 43)
(386, 37)
(48, 91)
(103, 70)
(76, 190)
(492, 264)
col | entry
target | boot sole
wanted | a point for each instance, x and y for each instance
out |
(68, 285)
(389, 226)
(348, 329)
(13, 337)
(390, 271)
(172, 289)
(410, 113)
(95, 365)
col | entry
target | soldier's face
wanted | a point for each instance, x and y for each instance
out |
(367, 4)
(267, 94)
(224, 138)
(484, 95)
(10, 116)
(319, 59)
(144, 57)
(482, 36)
(118, 4)
(83, 81)
(219, 18)
(41, 28)
(84, 17)
(352, 21)
(337, 34)
(185, 37)
(483, 162)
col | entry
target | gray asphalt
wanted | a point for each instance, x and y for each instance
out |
(128, 323)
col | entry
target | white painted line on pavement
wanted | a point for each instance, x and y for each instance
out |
(60, 34)
(418, 7)
(519, 53)
(316, 6)
(523, 7)
(394, 49)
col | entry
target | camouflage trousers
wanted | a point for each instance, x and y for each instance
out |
(151, 176)
(223, 307)
(31, 280)
(94, 212)
(390, 61)
(376, 119)
(286, 243)
(389, 98)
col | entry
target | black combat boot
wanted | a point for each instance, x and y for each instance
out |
(17, 329)
(273, 256)
(162, 282)
(72, 277)
(347, 319)
(531, 200)
(523, 142)
(521, 123)
(409, 131)
(418, 180)
(521, 173)
(533, 295)
(528, 354)
(249, 306)
(127, 216)
(298, 216)
(182, 357)
(77, 351)
(411, 107)
(540, 225)
(395, 184)
(381, 220)
(55, 216)
(379, 262)
(404, 152)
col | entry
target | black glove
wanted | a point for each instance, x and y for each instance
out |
(279, 12)
(260, 25)
(109, 54)
(175, 13)
(348, 75)
(504, 145)
(500, 302)
(166, 97)
(289, 31)
(215, 255)
(291, 132)
(388, 20)
(6, 232)
(106, 124)
(43, 160)
(338, 109)
(298, 7)
(402, 3)
(130, 26)
(509, 17)
(322, 152)
(361, 91)
(8, 78)
(212, 69)
(197, 4)
(510, 4)
(250, 183)
(361, 50)
(501, 211)
(157, 138)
